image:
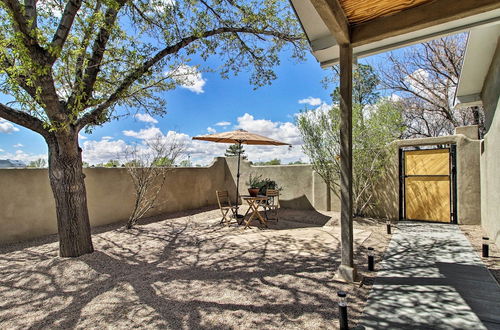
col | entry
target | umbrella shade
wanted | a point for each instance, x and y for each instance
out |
(241, 137)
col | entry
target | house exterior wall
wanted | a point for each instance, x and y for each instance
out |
(490, 151)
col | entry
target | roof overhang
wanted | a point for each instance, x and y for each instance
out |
(481, 46)
(415, 25)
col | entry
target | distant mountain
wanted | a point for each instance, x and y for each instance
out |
(8, 163)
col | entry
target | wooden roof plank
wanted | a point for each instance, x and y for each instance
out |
(417, 18)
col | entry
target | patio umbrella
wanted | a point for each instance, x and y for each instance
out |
(240, 137)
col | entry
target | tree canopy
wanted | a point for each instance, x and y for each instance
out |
(73, 63)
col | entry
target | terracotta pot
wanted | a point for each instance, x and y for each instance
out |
(253, 191)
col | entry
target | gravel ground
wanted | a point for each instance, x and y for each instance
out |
(475, 235)
(186, 271)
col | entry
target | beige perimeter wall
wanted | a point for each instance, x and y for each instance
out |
(27, 209)
(490, 152)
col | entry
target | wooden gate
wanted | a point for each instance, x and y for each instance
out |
(428, 179)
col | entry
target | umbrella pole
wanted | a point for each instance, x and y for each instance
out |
(238, 180)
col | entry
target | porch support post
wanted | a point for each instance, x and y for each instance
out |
(347, 270)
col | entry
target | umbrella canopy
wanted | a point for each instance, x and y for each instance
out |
(240, 136)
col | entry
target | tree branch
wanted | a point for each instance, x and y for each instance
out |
(94, 64)
(62, 32)
(93, 116)
(23, 119)
(21, 25)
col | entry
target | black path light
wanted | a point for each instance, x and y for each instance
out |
(371, 260)
(486, 247)
(388, 225)
(343, 310)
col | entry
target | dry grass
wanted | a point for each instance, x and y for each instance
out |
(186, 271)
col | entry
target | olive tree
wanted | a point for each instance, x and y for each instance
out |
(70, 65)
(374, 127)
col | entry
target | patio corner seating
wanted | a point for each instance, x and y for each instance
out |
(273, 203)
(226, 207)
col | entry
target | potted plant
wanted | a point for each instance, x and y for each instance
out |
(268, 184)
(254, 184)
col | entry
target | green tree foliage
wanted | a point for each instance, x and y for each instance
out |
(364, 86)
(297, 162)
(39, 163)
(235, 150)
(185, 163)
(275, 161)
(73, 65)
(112, 163)
(374, 128)
(163, 162)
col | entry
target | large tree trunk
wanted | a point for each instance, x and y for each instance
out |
(68, 186)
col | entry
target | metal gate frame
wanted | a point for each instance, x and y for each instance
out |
(453, 181)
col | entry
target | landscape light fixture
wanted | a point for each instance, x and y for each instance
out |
(371, 260)
(486, 247)
(388, 225)
(343, 310)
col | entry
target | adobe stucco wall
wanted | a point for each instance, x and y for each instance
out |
(468, 176)
(490, 152)
(27, 205)
(302, 188)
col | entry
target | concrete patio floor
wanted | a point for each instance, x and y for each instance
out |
(431, 278)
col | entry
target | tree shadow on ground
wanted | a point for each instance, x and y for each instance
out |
(174, 274)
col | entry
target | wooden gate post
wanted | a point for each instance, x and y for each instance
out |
(347, 270)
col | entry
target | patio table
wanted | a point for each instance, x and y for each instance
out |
(254, 203)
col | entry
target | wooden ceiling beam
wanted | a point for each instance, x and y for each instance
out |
(335, 19)
(417, 18)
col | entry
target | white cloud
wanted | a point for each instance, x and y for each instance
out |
(188, 77)
(22, 156)
(223, 123)
(7, 127)
(82, 137)
(144, 117)
(102, 151)
(211, 130)
(18, 145)
(144, 134)
(281, 131)
(313, 101)
(202, 152)
(107, 138)
(1, 150)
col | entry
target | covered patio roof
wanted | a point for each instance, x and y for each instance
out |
(341, 30)
(376, 26)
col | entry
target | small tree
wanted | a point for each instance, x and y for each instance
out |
(39, 163)
(112, 163)
(373, 130)
(148, 166)
(274, 161)
(235, 150)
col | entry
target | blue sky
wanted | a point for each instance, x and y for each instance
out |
(201, 109)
